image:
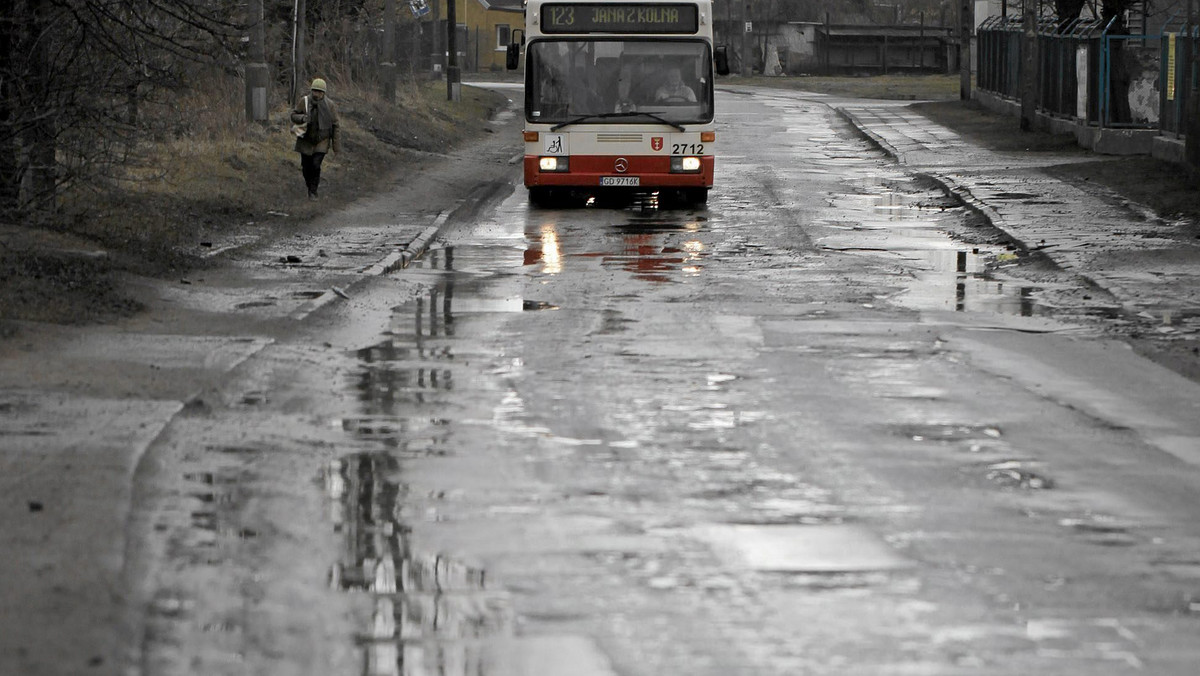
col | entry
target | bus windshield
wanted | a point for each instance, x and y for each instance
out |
(567, 80)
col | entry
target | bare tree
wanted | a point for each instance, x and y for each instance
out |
(74, 72)
(1067, 11)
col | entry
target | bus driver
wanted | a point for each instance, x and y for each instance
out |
(674, 90)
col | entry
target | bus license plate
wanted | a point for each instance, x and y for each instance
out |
(625, 181)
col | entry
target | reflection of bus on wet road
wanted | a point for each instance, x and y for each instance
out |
(618, 98)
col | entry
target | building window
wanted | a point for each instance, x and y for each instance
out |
(502, 36)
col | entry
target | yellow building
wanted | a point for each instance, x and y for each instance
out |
(484, 28)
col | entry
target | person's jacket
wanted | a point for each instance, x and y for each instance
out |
(323, 132)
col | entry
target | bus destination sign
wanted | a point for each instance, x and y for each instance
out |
(598, 17)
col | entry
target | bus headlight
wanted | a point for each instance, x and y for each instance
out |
(685, 165)
(555, 164)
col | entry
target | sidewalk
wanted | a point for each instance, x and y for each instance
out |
(85, 410)
(1150, 266)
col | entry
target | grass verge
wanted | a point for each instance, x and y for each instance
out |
(207, 181)
(896, 87)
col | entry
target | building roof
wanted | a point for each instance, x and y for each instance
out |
(504, 5)
(883, 31)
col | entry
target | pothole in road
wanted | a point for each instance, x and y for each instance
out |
(1102, 530)
(960, 280)
(255, 398)
(913, 224)
(948, 433)
(1017, 474)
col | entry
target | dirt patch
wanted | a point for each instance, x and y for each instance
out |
(53, 277)
(1162, 187)
(896, 87)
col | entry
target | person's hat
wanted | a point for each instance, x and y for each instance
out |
(318, 85)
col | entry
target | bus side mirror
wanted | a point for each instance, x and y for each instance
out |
(721, 60)
(512, 53)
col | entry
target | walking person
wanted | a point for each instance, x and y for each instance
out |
(321, 133)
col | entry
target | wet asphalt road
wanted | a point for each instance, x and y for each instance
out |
(814, 428)
(802, 431)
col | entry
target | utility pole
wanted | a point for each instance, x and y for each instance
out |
(966, 13)
(1191, 112)
(1028, 68)
(437, 36)
(744, 19)
(387, 53)
(453, 87)
(256, 68)
(298, 30)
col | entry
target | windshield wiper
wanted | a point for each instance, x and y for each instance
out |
(632, 113)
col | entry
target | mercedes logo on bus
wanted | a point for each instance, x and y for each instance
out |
(621, 165)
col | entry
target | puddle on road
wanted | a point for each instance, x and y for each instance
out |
(809, 549)
(404, 437)
(949, 433)
(432, 613)
(214, 514)
(416, 364)
(423, 600)
(653, 248)
(904, 223)
(960, 280)
(658, 257)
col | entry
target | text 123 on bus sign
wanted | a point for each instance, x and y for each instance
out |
(623, 18)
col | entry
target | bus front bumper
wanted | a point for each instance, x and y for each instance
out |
(603, 171)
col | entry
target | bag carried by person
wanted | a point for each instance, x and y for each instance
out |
(302, 128)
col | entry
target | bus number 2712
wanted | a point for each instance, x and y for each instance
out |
(687, 148)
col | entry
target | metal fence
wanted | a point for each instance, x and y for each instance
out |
(1078, 65)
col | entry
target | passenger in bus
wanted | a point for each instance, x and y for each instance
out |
(674, 90)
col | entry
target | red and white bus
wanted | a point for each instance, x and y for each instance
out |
(618, 98)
